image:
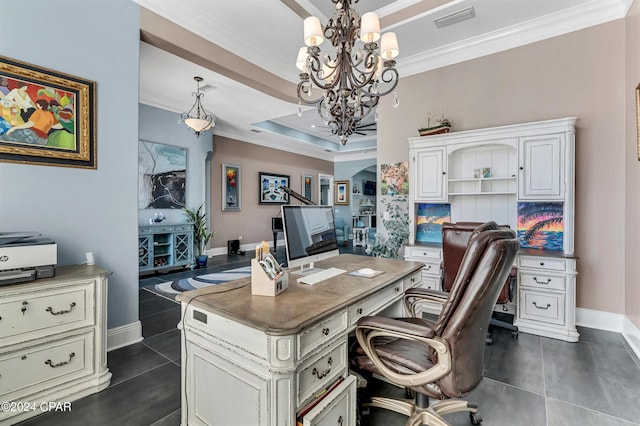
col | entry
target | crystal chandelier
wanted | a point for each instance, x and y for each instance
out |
(201, 120)
(351, 79)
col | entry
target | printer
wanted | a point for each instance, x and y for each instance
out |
(26, 256)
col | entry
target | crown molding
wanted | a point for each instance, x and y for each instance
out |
(566, 21)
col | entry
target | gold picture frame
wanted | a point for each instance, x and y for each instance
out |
(46, 117)
(638, 119)
(341, 193)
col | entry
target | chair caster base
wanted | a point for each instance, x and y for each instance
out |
(475, 418)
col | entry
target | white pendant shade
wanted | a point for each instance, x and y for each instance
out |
(313, 31)
(199, 124)
(389, 46)
(369, 27)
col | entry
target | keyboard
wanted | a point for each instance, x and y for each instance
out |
(316, 277)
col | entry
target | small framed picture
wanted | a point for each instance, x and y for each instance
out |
(231, 195)
(307, 186)
(341, 194)
(271, 188)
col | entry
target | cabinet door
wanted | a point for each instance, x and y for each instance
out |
(182, 247)
(429, 174)
(144, 251)
(541, 167)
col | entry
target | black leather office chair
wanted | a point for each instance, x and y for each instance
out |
(455, 237)
(442, 359)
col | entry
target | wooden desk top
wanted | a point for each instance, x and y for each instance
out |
(300, 305)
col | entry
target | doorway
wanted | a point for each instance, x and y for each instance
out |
(325, 183)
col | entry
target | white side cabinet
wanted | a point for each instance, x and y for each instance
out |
(547, 296)
(498, 174)
(53, 340)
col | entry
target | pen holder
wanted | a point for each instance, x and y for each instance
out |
(262, 285)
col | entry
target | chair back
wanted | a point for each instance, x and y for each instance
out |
(465, 317)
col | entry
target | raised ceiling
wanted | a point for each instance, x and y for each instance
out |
(245, 50)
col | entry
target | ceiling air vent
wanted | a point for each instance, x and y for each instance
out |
(455, 17)
(255, 130)
(207, 88)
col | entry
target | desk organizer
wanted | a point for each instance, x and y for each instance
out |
(262, 285)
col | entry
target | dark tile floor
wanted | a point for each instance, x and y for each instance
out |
(529, 380)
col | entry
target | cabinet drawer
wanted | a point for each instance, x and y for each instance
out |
(321, 333)
(546, 281)
(412, 280)
(29, 370)
(542, 307)
(369, 305)
(317, 373)
(43, 313)
(337, 408)
(183, 228)
(548, 263)
(430, 282)
(423, 253)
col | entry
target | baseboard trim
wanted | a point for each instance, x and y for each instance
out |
(125, 335)
(631, 334)
(599, 319)
(610, 322)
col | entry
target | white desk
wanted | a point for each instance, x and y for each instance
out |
(257, 360)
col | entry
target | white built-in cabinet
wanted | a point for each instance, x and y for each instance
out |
(483, 175)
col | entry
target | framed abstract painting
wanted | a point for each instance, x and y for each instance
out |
(162, 171)
(46, 117)
(307, 185)
(231, 195)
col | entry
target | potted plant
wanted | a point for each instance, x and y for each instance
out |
(201, 234)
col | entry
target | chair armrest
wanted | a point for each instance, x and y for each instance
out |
(413, 297)
(369, 328)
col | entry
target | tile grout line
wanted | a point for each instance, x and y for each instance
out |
(593, 411)
(544, 384)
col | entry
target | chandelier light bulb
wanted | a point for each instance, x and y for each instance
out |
(369, 27)
(313, 31)
(301, 60)
(389, 46)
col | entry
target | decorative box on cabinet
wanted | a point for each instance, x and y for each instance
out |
(547, 295)
(165, 246)
(53, 340)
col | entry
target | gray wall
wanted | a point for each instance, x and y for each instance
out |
(83, 210)
(161, 126)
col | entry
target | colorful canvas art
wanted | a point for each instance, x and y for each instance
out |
(395, 179)
(271, 188)
(541, 225)
(429, 220)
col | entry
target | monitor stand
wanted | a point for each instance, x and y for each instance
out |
(306, 270)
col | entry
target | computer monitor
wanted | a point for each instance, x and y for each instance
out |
(309, 235)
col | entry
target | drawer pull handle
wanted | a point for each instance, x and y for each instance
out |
(340, 421)
(24, 307)
(397, 289)
(542, 282)
(325, 331)
(359, 311)
(71, 306)
(505, 309)
(428, 268)
(320, 374)
(541, 263)
(60, 364)
(540, 307)
(413, 279)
